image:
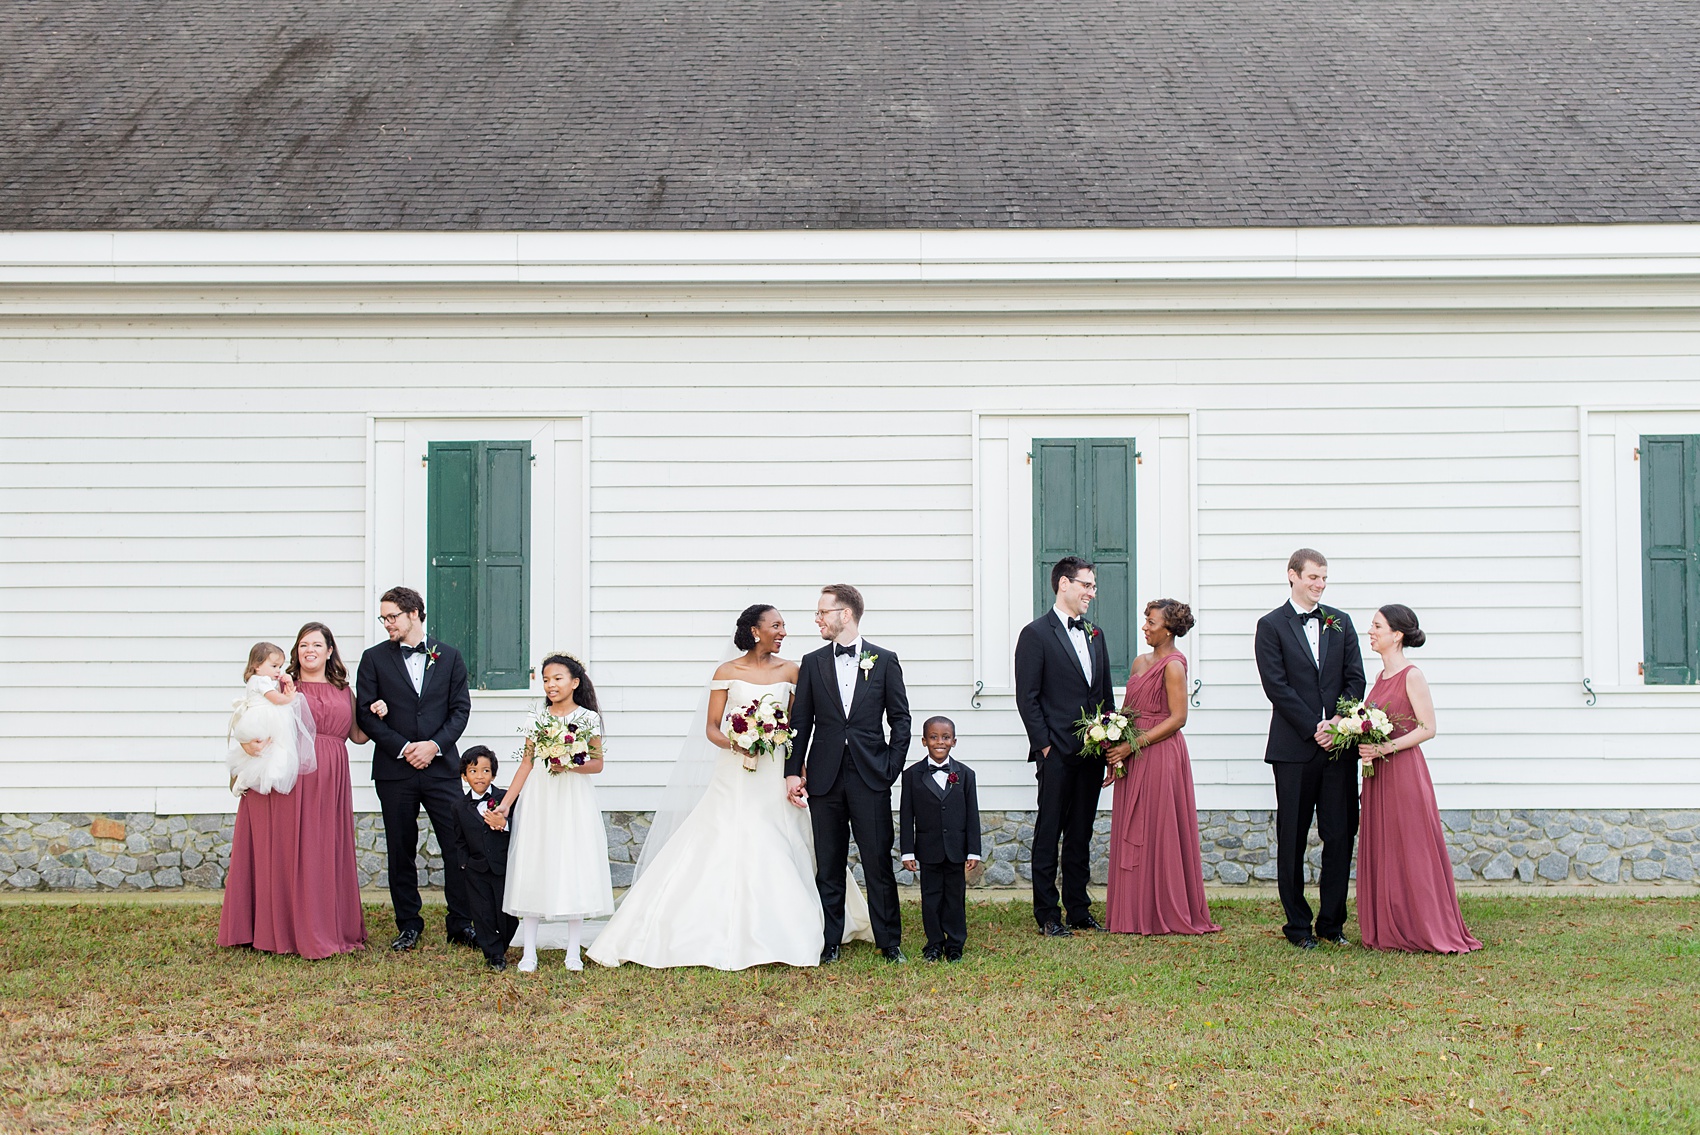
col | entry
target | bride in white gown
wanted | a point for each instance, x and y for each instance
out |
(732, 885)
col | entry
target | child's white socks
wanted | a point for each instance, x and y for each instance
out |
(574, 926)
(528, 940)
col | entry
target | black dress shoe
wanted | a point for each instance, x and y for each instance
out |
(466, 936)
(829, 955)
(894, 955)
(1308, 942)
(931, 954)
(406, 940)
(1054, 929)
(1085, 923)
(956, 957)
(1336, 939)
(496, 966)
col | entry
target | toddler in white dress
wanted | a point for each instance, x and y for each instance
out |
(271, 729)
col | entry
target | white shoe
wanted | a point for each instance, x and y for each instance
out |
(528, 963)
(574, 962)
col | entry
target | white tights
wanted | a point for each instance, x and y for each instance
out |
(528, 941)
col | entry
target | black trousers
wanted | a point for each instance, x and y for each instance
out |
(944, 906)
(494, 926)
(400, 801)
(1068, 805)
(851, 807)
(1327, 790)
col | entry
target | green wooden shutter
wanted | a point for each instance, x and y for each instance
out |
(478, 540)
(1083, 505)
(1670, 559)
(451, 538)
(504, 583)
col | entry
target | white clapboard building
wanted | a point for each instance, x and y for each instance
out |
(280, 333)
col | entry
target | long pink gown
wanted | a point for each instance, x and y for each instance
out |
(292, 887)
(1406, 899)
(1156, 870)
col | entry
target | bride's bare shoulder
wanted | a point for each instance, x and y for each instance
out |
(789, 673)
(729, 670)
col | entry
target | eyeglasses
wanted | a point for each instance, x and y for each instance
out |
(390, 620)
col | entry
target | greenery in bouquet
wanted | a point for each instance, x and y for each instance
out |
(1361, 723)
(1103, 729)
(759, 729)
(559, 743)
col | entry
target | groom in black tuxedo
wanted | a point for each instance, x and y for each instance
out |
(1062, 671)
(841, 766)
(421, 685)
(1308, 658)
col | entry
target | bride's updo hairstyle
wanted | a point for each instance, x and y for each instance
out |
(1404, 620)
(585, 695)
(1177, 616)
(744, 638)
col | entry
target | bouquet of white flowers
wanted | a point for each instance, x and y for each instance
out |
(558, 743)
(1361, 723)
(1103, 729)
(760, 728)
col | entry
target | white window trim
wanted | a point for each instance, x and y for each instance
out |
(560, 519)
(1165, 488)
(1612, 622)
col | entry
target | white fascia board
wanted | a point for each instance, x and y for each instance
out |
(966, 256)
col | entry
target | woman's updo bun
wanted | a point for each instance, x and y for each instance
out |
(744, 638)
(1177, 616)
(1404, 620)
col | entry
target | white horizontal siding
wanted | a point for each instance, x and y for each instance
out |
(172, 490)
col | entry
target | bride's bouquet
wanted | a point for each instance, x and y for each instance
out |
(558, 743)
(1102, 729)
(1361, 723)
(759, 728)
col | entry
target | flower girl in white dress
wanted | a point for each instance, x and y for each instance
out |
(558, 855)
(271, 729)
(733, 885)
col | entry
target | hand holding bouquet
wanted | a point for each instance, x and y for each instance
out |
(1105, 729)
(558, 743)
(759, 729)
(1361, 723)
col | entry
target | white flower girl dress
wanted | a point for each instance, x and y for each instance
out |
(288, 728)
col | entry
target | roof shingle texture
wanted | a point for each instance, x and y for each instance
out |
(778, 114)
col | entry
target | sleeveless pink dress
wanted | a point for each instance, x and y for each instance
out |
(1406, 898)
(291, 887)
(1156, 883)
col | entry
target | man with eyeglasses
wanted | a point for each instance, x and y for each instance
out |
(1062, 671)
(411, 698)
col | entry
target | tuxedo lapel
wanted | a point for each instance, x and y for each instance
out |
(1296, 627)
(829, 675)
(858, 676)
(399, 661)
(932, 783)
(425, 678)
(1322, 641)
(1061, 632)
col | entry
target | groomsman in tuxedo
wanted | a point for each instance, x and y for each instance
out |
(842, 766)
(1062, 671)
(411, 698)
(1308, 658)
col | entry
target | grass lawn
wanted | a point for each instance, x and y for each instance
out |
(1581, 1015)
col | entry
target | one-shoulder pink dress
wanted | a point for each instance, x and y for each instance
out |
(1156, 869)
(1406, 898)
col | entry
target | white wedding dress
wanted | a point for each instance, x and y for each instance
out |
(735, 885)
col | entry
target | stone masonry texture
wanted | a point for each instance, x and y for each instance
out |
(140, 851)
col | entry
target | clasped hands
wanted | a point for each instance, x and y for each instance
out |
(795, 792)
(419, 754)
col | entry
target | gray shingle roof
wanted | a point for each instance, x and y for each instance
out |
(734, 114)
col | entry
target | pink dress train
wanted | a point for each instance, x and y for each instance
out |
(292, 886)
(1406, 898)
(1156, 881)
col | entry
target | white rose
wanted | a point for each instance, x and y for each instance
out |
(1096, 733)
(1115, 734)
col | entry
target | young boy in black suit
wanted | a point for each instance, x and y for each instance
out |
(484, 854)
(940, 821)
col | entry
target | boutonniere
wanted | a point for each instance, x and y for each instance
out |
(431, 656)
(1330, 623)
(1091, 631)
(951, 779)
(866, 662)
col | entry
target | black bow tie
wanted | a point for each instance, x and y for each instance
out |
(1309, 615)
(838, 650)
(1077, 625)
(420, 649)
(931, 767)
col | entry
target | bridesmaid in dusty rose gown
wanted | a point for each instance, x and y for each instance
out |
(1406, 899)
(1156, 881)
(292, 887)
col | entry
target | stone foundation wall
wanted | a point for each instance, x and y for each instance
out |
(144, 852)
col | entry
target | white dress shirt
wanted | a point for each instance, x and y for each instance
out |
(415, 664)
(1077, 636)
(1313, 634)
(848, 669)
